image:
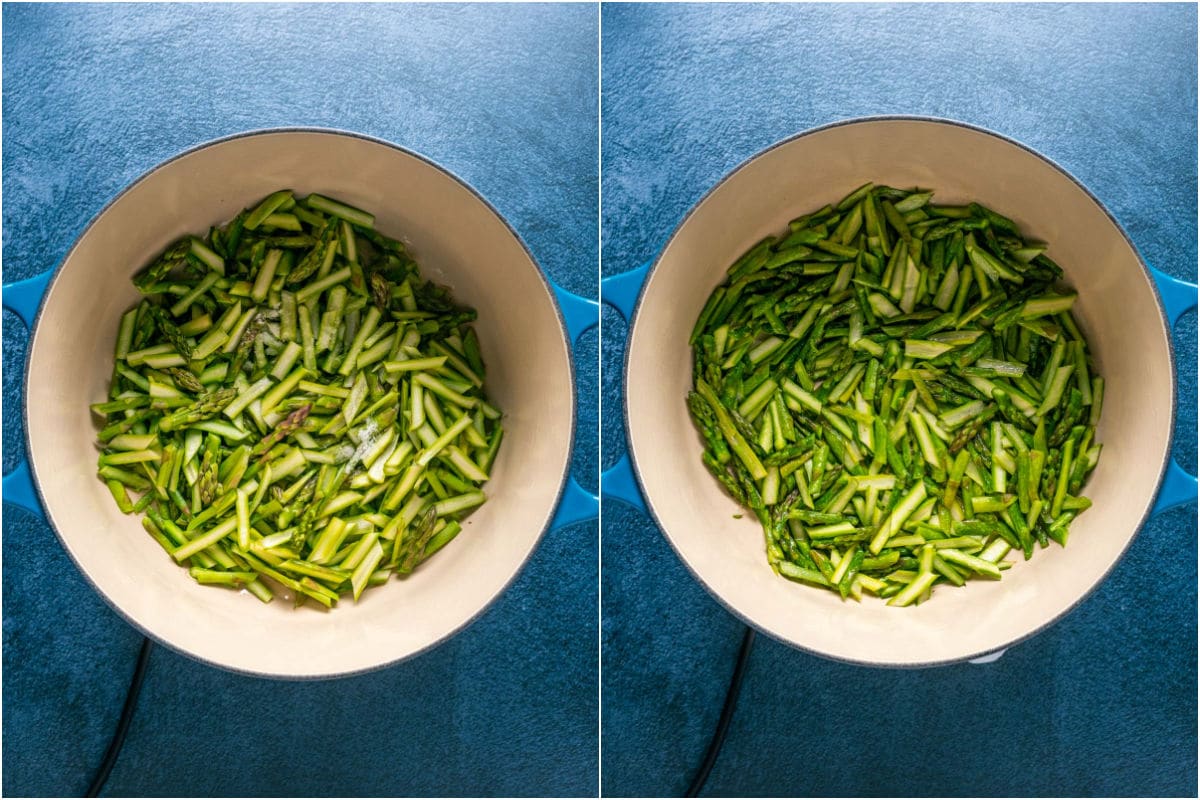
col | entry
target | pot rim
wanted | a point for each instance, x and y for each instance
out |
(632, 324)
(335, 132)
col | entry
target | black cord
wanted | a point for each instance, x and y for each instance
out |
(731, 698)
(118, 739)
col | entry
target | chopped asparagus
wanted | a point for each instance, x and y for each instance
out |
(899, 392)
(301, 412)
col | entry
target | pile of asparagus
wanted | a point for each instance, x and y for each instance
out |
(293, 406)
(899, 393)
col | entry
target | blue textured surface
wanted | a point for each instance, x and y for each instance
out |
(503, 96)
(1102, 703)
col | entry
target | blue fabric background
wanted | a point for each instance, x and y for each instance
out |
(1102, 703)
(505, 97)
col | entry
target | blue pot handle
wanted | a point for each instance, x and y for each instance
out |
(18, 489)
(23, 298)
(1178, 487)
(621, 292)
(580, 315)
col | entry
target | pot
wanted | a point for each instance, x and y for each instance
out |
(1127, 326)
(459, 240)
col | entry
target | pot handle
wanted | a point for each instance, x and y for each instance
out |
(621, 292)
(23, 298)
(18, 489)
(1178, 486)
(580, 315)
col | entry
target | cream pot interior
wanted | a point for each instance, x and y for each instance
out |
(459, 241)
(1117, 309)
